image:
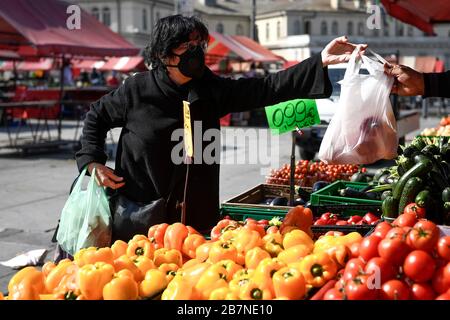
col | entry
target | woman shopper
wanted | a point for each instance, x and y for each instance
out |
(149, 107)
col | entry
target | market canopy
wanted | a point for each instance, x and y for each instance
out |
(239, 48)
(419, 13)
(124, 64)
(39, 28)
(43, 64)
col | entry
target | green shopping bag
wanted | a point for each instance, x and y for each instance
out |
(86, 218)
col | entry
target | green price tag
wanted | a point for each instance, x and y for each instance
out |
(286, 116)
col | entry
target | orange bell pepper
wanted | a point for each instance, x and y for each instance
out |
(254, 291)
(92, 255)
(273, 243)
(190, 263)
(47, 267)
(254, 226)
(91, 279)
(229, 235)
(154, 283)
(140, 247)
(34, 276)
(254, 256)
(223, 293)
(191, 230)
(221, 227)
(240, 258)
(175, 235)
(318, 268)
(58, 278)
(121, 287)
(231, 267)
(299, 217)
(222, 251)
(265, 271)
(296, 237)
(294, 254)
(169, 269)
(143, 264)
(1, 296)
(247, 239)
(25, 290)
(156, 235)
(213, 278)
(119, 248)
(340, 254)
(202, 252)
(191, 243)
(125, 262)
(289, 282)
(193, 273)
(165, 255)
(178, 289)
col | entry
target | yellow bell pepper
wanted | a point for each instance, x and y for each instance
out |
(190, 263)
(222, 251)
(125, 262)
(193, 273)
(165, 255)
(318, 268)
(340, 254)
(178, 289)
(169, 269)
(213, 278)
(140, 247)
(247, 239)
(273, 243)
(191, 243)
(228, 236)
(253, 290)
(24, 290)
(91, 279)
(326, 242)
(143, 264)
(47, 267)
(289, 282)
(57, 274)
(237, 284)
(294, 254)
(202, 251)
(92, 255)
(231, 267)
(223, 293)
(33, 277)
(254, 256)
(296, 237)
(121, 287)
(119, 248)
(265, 271)
(154, 283)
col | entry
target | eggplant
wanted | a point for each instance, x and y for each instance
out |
(319, 185)
(303, 193)
(267, 201)
(299, 202)
(279, 201)
(359, 177)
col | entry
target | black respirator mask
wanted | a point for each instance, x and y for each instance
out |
(192, 62)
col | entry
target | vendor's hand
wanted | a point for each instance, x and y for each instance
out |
(408, 82)
(105, 176)
(339, 50)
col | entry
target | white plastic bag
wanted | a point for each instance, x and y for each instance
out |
(363, 129)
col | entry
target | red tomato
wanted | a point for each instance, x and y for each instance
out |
(444, 296)
(263, 222)
(359, 289)
(382, 268)
(419, 266)
(382, 229)
(395, 290)
(415, 210)
(341, 223)
(396, 233)
(368, 248)
(422, 291)
(443, 248)
(423, 238)
(333, 294)
(440, 282)
(426, 225)
(354, 219)
(405, 220)
(393, 250)
(353, 269)
(370, 218)
(354, 248)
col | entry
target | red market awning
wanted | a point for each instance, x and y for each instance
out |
(39, 28)
(124, 64)
(419, 13)
(239, 48)
(43, 64)
(9, 55)
(87, 64)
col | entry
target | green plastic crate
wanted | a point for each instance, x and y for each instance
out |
(329, 196)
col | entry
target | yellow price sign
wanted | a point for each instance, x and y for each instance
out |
(188, 144)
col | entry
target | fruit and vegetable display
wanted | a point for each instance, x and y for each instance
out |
(405, 260)
(442, 130)
(252, 260)
(309, 172)
(419, 182)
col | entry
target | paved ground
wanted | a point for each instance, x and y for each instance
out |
(35, 188)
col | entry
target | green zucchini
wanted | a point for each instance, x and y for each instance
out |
(418, 143)
(423, 198)
(389, 207)
(385, 194)
(438, 179)
(409, 151)
(418, 169)
(409, 193)
(431, 149)
(446, 195)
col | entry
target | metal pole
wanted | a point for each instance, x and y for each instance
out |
(292, 180)
(119, 17)
(61, 93)
(253, 21)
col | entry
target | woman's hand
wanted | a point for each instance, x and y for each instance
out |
(408, 82)
(105, 176)
(339, 50)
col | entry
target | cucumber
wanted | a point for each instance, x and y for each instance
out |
(389, 207)
(446, 195)
(410, 191)
(418, 169)
(386, 194)
(422, 198)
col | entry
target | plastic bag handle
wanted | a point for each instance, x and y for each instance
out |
(77, 187)
(354, 64)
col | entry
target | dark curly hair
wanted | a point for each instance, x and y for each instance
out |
(169, 33)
